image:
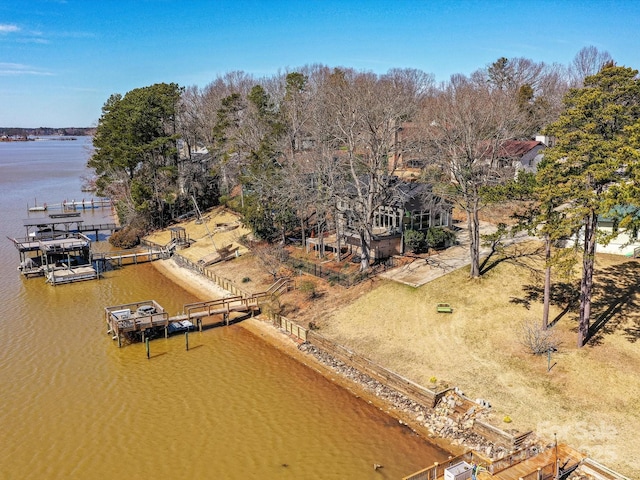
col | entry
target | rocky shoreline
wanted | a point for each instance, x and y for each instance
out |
(439, 422)
(439, 425)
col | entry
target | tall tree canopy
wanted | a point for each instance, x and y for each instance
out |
(136, 156)
(588, 167)
(364, 112)
(466, 124)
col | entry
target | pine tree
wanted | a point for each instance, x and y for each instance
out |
(582, 170)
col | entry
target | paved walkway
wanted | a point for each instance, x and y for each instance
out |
(422, 271)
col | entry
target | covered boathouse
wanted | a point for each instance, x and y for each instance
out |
(55, 248)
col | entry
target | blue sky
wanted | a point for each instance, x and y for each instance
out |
(61, 59)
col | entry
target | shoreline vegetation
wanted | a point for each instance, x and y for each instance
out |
(417, 344)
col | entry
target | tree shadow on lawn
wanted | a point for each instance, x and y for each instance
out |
(615, 303)
(614, 306)
(517, 255)
(563, 294)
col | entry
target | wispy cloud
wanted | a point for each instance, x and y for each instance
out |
(8, 28)
(38, 40)
(16, 69)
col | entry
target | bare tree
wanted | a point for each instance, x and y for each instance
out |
(364, 112)
(588, 61)
(466, 123)
(538, 89)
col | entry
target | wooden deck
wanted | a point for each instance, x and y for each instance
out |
(125, 319)
(538, 467)
(543, 462)
(127, 257)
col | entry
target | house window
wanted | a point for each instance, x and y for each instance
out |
(420, 220)
(437, 219)
(387, 217)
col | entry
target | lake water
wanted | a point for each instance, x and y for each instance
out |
(74, 406)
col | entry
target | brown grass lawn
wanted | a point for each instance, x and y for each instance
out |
(591, 396)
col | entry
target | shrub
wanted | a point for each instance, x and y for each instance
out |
(246, 280)
(535, 338)
(415, 241)
(128, 237)
(439, 237)
(308, 287)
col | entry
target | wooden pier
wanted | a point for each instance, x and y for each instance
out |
(61, 259)
(56, 247)
(127, 257)
(63, 224)
(520, 465)
(72, 205)
(97, 228)
(141, 320)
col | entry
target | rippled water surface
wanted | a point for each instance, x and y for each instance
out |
(74, 406)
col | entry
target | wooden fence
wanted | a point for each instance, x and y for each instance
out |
(287, 325)
(222, 282)
(331, 276)
(419, 394)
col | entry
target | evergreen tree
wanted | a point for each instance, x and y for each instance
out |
(582, 170)
(136, 156)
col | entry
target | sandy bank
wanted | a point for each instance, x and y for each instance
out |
(193, 282)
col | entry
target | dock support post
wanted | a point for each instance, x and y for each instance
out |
(119, 341)
(186, 340)
(166, 331)
(225, 316)
(146, 342)
(199, 322)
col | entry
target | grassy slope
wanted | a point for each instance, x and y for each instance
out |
(591, 396)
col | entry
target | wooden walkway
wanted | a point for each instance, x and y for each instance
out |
(125, 320)
(72, 205)
(98, 227)
(126, 257)
(541, 466)
(148, 317)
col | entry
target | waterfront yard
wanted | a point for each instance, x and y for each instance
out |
(589, 398)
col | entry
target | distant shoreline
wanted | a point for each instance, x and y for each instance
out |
(34, 139)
